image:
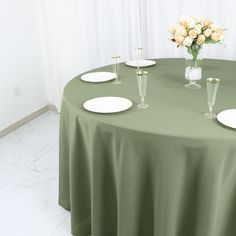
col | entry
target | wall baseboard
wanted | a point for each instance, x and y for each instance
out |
(26, 119)
(52, 108)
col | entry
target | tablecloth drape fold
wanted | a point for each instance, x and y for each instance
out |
(119, 178)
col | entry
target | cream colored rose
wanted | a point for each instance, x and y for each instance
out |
(190, 23)
(215, 36)
(207, 22)
(187, 41)
(198, 19)
(180, 30)
(215, 27)
(172, 29)
(198, 28)
(179, 39)
(172, 36)
(221, 34)
(184, 23)
(192, 33)
(201, 39)
(207, 32)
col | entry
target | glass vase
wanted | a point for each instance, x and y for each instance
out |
(193, 71)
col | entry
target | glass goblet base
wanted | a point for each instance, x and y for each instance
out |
(142, 105)
(116, 82)
(192, 85)
(209, 115)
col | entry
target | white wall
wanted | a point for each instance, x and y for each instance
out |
(22, 72)
(82, 34)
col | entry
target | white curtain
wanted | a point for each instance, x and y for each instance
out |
(79, 35)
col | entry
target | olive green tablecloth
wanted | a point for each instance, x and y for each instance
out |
(163, 171)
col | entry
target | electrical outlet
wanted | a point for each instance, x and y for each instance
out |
(17, 91)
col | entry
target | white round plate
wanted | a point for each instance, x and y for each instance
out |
(140, 63)
(97, 77)
(107, 104)
(228, 118)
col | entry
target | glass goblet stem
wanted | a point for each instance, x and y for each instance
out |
(142, 101)
(210, 110)
(116, 78)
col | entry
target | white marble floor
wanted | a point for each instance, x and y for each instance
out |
(29, 181)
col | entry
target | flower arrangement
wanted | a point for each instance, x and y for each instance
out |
(193, 32)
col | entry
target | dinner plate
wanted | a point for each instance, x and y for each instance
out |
(228, 118)
(107, 104)
(140, 63)
(97, 77)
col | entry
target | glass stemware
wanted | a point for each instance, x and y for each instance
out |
(138, 56)
(115, 67)
(142, 87)
(212, 87)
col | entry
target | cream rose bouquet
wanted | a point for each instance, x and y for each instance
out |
(193, 32)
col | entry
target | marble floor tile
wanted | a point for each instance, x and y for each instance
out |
(9, 175)
(29, 181)
(31, 141)
(64, 228)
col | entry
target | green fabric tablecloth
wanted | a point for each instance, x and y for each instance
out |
(162, 171)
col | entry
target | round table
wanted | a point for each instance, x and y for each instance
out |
(160, 171)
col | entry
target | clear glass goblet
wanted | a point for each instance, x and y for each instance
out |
(142, 87)
(212, 88)
(115, 67)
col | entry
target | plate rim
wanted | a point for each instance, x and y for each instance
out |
(81, 77)
(98, 112)
(220, 113)
(154, 63)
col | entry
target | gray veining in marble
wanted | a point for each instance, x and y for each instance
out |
(29, 181)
